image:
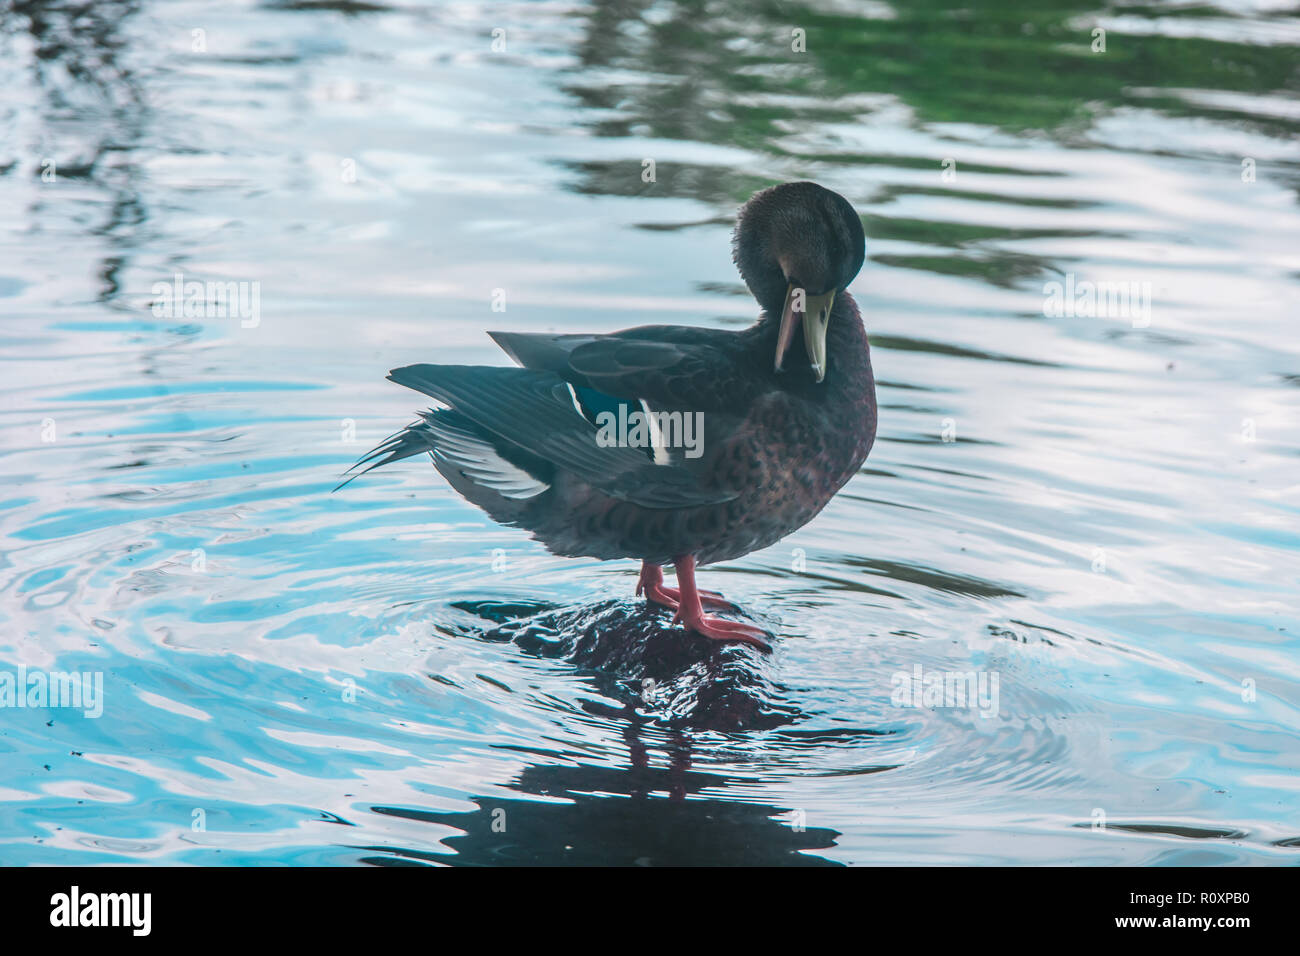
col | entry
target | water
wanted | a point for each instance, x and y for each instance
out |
(1098, 509)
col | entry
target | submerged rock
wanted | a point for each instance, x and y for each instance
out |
(661, 671)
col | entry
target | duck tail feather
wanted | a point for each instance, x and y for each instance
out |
(411, 440)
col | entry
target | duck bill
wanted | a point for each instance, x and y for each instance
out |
(815, 321)
(790, 317)
(814, 316)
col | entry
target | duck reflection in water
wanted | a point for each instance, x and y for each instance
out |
(638, 815)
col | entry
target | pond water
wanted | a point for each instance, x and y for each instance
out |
(1093, 505)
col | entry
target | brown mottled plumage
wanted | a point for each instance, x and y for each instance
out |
(780, 438)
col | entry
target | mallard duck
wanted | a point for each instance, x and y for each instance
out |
(673, 444)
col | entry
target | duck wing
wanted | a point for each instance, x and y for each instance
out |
(536, 413)
(666, 366)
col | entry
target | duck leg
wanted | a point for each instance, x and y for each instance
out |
(651, 582)
(690, 612)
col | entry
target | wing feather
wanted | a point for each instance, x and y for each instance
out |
(534, 411)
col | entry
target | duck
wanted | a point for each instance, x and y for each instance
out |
(671, 444)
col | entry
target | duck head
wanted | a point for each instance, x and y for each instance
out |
(797, 245)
